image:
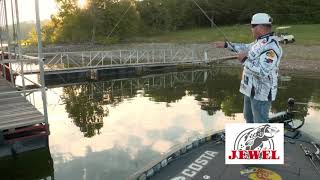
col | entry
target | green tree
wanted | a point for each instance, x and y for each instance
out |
(105, 21)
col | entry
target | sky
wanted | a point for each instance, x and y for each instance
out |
(27, 9)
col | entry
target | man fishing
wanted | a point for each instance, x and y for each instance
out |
(260, 60)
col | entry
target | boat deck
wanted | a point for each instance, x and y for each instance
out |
(207, 161)
(296, 167)
(15, 110)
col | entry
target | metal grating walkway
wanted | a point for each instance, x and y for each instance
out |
(15, 110)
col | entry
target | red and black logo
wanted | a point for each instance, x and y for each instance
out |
(255, 143)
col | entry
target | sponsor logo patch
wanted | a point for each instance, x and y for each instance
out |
(271, 54)
(269, 60)
(260, 174)
(254, 143)
(246, 80)
(194, 168)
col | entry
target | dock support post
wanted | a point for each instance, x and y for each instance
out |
(40, 60)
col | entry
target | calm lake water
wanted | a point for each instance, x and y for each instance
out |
(112, 128)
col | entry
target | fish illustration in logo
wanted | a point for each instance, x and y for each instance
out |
(255, 138)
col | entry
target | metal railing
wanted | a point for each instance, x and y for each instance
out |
(13, 68)
(13, 63)
(122, 58)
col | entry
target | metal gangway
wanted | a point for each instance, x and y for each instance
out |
(70, 62)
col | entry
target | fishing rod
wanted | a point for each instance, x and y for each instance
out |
(317, 153)
(310, 156)
(212, 22)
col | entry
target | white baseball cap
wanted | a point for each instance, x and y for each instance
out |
(261, 18)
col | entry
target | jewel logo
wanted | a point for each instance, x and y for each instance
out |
(254, 143)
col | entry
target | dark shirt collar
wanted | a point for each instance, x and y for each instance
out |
(265, 36)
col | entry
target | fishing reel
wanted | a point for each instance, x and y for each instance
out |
(292, 120)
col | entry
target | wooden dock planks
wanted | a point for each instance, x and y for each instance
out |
(15, 110)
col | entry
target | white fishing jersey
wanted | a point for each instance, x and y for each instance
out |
(260, 73)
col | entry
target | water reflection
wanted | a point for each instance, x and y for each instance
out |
(303, 90)
(127, 123)
(85, 107)
(36, 164)
(214, 90)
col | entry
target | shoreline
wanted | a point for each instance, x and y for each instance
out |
(288, 65)
(294, 66)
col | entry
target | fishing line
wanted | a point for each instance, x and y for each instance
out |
(122, 16)
(223, 34)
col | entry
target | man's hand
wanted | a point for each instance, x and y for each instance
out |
(218, 44)
(242, 57)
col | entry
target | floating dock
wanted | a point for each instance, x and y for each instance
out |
(16, 111)
(21, 124)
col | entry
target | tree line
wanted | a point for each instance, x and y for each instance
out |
(108, 21)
